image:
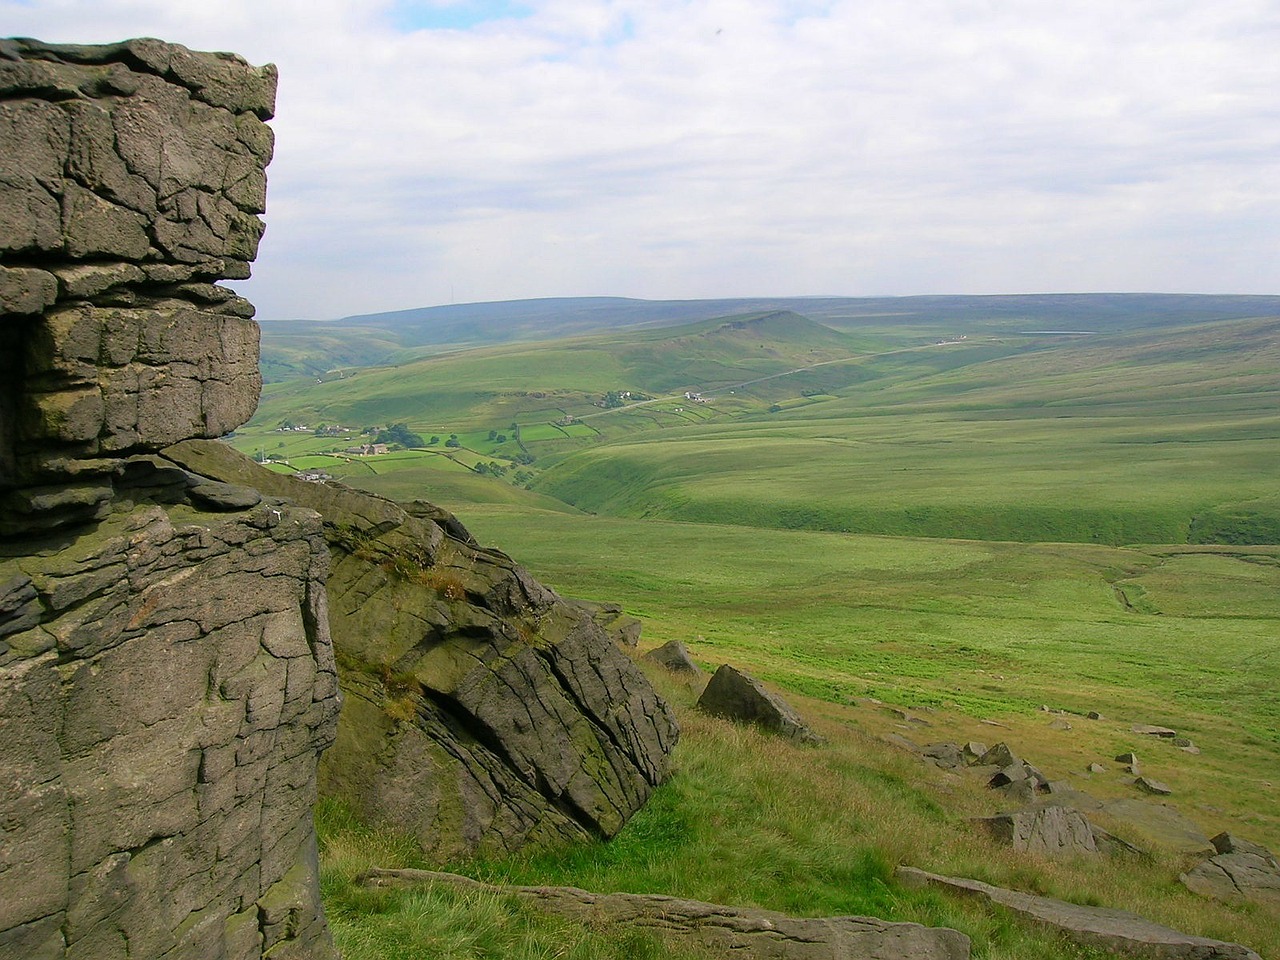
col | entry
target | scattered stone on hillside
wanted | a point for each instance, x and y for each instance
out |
(1059, 724)
(748, 933)
(945, 755)
(1116, 930)
(1147, 729)
(1022, 791)
(1185, 745)
(907, 717)
(739, 696)
(1051, 831)
(995, 723)
(1112, 846)
(1147, 785)
(1128, 762)
(622, 628)
(973, 751)
(1229, 843)
(902, 743)
(1097, 768)
(1000, 755)
(674, 656)
(1094, 715)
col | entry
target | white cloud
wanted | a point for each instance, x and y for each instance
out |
(745, 147)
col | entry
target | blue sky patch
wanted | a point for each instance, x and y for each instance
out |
(411, 15)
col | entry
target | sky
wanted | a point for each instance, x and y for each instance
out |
(453, 151)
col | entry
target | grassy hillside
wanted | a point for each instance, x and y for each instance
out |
(1045, 495)
(1152, 434)
(959, 634)
(293, 348)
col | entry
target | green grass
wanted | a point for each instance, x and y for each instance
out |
(966, 530)
(978, 629)
(751, 820)
(441, 921)
(1168, 435)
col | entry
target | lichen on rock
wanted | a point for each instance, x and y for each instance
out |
(167, 679)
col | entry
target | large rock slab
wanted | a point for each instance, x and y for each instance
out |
(739, 696)
(725, 931)
(131, 178)
(483, 712)
(1116, 930)
(167, 682)
(1050, 831)
(1240, 871)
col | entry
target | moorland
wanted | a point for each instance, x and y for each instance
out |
(924, 517)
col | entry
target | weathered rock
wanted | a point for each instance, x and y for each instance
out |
(126, 171)
(945, 755)
(674, 656)
(973, 752)
(1149, 730)
(1058, 723)
(622, 628)
(1051, 831)
(1094, 715)
(1229, 843)
(739, 696)
(166, 684)
(1160, 823)
(166, 673)
(1097, 768)
(1147, 785)
(1115, 930)
(1240, 871)
(482, 711)
(1000, 756)
(736, 931)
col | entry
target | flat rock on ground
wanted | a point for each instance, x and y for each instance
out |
(1115, 930)
(729, 931)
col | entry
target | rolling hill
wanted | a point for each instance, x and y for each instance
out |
(1148, 428)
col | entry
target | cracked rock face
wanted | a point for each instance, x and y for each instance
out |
(131, 178)
(482, 712)
(167, 679)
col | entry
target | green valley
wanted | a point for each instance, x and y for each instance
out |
(955, 518)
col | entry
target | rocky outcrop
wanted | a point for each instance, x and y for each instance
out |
(1240, 871)
(130, 179)
(1051, 831)
(1115, 930)
(482, 712)
(720, 930)
(165, 687)
(166, 674)
(739, 696)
